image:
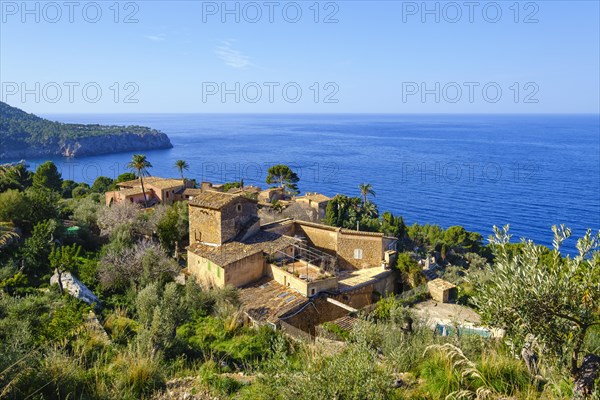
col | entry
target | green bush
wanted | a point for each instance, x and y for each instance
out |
(353, 374)
(336, 330)
(208, 336)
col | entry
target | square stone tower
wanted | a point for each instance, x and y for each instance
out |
(217, 218)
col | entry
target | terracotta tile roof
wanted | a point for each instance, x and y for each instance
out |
(245, 189)
(136, 182)
(192, 192)
(266, 300)
(316, 197)
(351, 280)
(225, 254)
(215, 200)
(262, 242)
(157, 182)
(360, 233)
(164, 183)
(346, 322)
(270, 242)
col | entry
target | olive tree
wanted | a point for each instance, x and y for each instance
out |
(530, 292)
(64, 259)
(138, 265)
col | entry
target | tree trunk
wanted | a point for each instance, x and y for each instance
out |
(577, 350)
(60, 285)
(144, 191)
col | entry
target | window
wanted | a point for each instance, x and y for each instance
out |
(167, 195)
(239, 208)
(312, 291)
(358, 254)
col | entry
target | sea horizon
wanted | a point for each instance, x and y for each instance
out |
(525, 170)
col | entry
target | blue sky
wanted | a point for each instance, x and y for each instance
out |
(178, 56)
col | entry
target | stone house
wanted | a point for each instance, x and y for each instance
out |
(228, 246)
(158, 190)
(442, 291)
(316, 201)
(271, 195)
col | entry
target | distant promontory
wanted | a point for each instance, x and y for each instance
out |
(24, 135)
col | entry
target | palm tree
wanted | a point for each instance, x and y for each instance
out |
(370, 211)
(140, 164)
(182, 165)
(366, 189)
(7, 233)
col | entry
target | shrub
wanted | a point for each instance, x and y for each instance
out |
(357, 376)
(137, 375)
(120, 327)
(336, 330)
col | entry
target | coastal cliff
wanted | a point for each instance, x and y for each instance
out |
(24, 135)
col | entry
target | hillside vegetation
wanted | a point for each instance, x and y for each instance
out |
(150, 337)
(27, 135)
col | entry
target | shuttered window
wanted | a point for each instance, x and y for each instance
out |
(358, 254)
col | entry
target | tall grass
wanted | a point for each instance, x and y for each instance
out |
(450, 374)
(136, 375)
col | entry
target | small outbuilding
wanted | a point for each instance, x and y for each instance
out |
(442, 291)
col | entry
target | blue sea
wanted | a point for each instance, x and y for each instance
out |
(473, 170)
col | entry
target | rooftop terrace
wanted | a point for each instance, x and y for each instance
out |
(303, 270)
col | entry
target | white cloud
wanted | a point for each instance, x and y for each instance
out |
(161, 37)
(232, 57)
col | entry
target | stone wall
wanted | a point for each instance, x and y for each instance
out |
(205, 271)
(324, 311)
(442, 291)
(219, 226)
(321, 237)
(344, 243)
(368, 294)
(368, 245)
(328, 284)
(239, 273)
(167, 196)
(309, 317)
(205, 225)
(245, 271)
(305, 288)
(358, 298)
(286, 227)
(235, 216)
(118, 197)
